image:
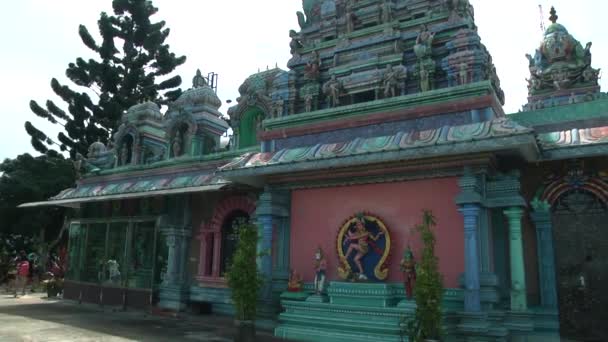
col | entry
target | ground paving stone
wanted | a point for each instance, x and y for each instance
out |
(33, 318)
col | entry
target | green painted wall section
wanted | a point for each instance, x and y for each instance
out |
(591, 110)
(248, 127)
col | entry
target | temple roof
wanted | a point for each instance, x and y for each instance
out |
(104, 189)
(448, 140)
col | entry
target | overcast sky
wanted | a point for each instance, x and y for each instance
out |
(235, 38)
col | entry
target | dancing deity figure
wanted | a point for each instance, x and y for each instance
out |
(359, 243)
(408, 267)
(320, 268)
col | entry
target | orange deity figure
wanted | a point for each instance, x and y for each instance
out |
(295, 282)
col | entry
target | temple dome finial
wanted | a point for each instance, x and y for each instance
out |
(553, 18)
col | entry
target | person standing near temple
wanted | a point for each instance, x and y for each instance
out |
(23, 271)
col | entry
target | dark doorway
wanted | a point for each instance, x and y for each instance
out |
(230, 236)
(581, 246)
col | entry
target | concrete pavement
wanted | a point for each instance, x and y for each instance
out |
(33, 318)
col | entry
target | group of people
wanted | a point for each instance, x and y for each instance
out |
(26, 270)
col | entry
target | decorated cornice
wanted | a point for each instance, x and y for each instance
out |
(397, 104)
(574, 137)
(477, 137)
(140, 185)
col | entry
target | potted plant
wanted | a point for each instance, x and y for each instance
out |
(426, 325)
(245, 281)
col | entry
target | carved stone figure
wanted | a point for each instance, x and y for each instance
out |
(312, 13)
(463, 73)
(591, 75)
(278, 108)
(124, 155)
(460, 9)
(425, 84)
(296, 42)
(560, 79)
(350, 18)
(177, 145)
(390, 81)
(320, 265)
(308, 103)
(332, 89)
(198, 80)
(312, 68)
(424, 42)
(408, 267)
(387, 11)
(587, 57)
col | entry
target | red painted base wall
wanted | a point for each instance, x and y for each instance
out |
(318, 214)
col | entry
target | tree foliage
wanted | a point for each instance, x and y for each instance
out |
(429, 286)
(243, 276)
(32, 179)
(132, 55)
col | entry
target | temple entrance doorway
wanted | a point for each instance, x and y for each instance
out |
(581, 252)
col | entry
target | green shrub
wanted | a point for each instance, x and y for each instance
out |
(243, 276)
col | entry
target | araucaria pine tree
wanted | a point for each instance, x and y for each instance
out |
(132, 56)
(429, 286)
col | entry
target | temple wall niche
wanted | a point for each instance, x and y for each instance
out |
(318, 214)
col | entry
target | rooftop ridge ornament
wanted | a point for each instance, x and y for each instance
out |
(553, 18)
(198, 80)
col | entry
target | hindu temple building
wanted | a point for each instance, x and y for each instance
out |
(387, 108)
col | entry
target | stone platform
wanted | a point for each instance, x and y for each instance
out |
(375, 312)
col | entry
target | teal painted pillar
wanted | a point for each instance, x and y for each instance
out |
(518, 272)
(174, 291)
(471, 251)
(546, 255)
(271, 211)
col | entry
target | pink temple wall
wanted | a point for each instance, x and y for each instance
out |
(318, 214)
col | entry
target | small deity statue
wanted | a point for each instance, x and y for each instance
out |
(591, 75)
(308, 103)
(198, 80)
(278, 108)
(560, 79)
(390, 81)
(320, 269)
(463, 73)
(424, 42)
(332, 90)
(572, 99)
(533, 83)
(294, 283)
(313, 66)
(296, 42)
(587, 57)
(387, 12)
(408, 267)
(177, 145)
(359, 242)
(425, 84)
(124, 155)
(113, 271)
